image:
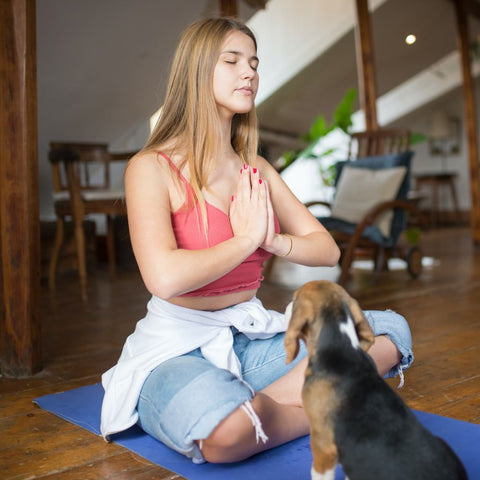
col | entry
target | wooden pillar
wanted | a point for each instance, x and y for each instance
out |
(20, 342)
(463, 39)
(366, 65)
(228, 8)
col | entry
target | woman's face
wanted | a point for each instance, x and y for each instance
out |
(235, 78)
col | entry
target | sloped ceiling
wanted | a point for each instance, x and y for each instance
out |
(103, 65)
(320, 86)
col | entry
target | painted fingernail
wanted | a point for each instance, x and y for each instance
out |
(260, 181)
(254, 170)
(245, 166)
(232, 198)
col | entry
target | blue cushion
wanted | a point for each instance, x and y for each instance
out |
(371, 232)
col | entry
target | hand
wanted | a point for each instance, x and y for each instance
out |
(249, 207)
(270, 234)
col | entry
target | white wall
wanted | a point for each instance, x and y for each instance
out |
(424, 161)
(305, 181)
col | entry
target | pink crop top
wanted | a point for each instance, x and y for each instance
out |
(188, 230)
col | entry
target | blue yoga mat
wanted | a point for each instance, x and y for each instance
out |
(81, 406)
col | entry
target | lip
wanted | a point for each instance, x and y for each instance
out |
(245, 90)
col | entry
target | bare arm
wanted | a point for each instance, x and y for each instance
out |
(168, 271)
(312, 244)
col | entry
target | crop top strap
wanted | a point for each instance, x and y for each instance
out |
(175, 169)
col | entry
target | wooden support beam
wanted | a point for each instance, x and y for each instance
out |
(20, 342)
(228, 8)
(473, 8)
(259, 4)
(463, 39)
(366, 65)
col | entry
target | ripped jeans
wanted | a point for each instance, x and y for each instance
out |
(185, 398)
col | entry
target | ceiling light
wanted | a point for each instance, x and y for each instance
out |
(410, 39)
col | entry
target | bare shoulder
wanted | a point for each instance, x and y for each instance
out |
(267, 170)
(279, 191)
(153, 177)
(143, 161)
(270, 174)
(147, 167)
(147, 178)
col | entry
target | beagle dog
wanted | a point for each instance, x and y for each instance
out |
(355, 417)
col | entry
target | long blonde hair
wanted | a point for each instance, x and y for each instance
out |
(189, 116)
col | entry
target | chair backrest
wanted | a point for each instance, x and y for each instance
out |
(379, 162)
(91, 164)
(378, 142)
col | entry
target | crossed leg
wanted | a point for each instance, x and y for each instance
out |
(278, 407)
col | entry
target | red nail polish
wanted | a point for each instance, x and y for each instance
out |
(260, 181)
(254, 170)
(232, 198)
(245, 166)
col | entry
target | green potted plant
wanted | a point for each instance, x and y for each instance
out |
(342, 119)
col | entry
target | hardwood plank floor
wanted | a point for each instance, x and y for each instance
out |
(80, 341)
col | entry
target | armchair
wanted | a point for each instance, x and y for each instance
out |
(371, 206)
(370, 211)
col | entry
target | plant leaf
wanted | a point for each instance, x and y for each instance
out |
(342, 116)
(318, 128)
(417, 137)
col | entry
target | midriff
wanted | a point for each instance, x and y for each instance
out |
(218, 302)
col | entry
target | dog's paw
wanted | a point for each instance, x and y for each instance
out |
(328, 475)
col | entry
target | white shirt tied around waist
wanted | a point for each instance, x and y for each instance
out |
(168, 331)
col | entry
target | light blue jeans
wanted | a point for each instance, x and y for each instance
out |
(185, 398)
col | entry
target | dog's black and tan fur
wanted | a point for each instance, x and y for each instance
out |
(355, 417)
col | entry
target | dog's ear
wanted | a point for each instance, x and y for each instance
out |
(296, 328)
(364, 332)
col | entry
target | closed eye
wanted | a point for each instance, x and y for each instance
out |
(230, 57)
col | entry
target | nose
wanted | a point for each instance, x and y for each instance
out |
(248, 75)
(248, 72)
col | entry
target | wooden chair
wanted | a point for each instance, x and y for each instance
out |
(375, 151)
(81, 180)
(378, 142)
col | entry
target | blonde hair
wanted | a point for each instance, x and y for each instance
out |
(189, 115)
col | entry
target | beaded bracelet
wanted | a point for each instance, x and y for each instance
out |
(291, 245)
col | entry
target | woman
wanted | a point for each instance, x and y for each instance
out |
(204, 371)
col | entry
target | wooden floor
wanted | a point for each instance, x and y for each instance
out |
(81, 341)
